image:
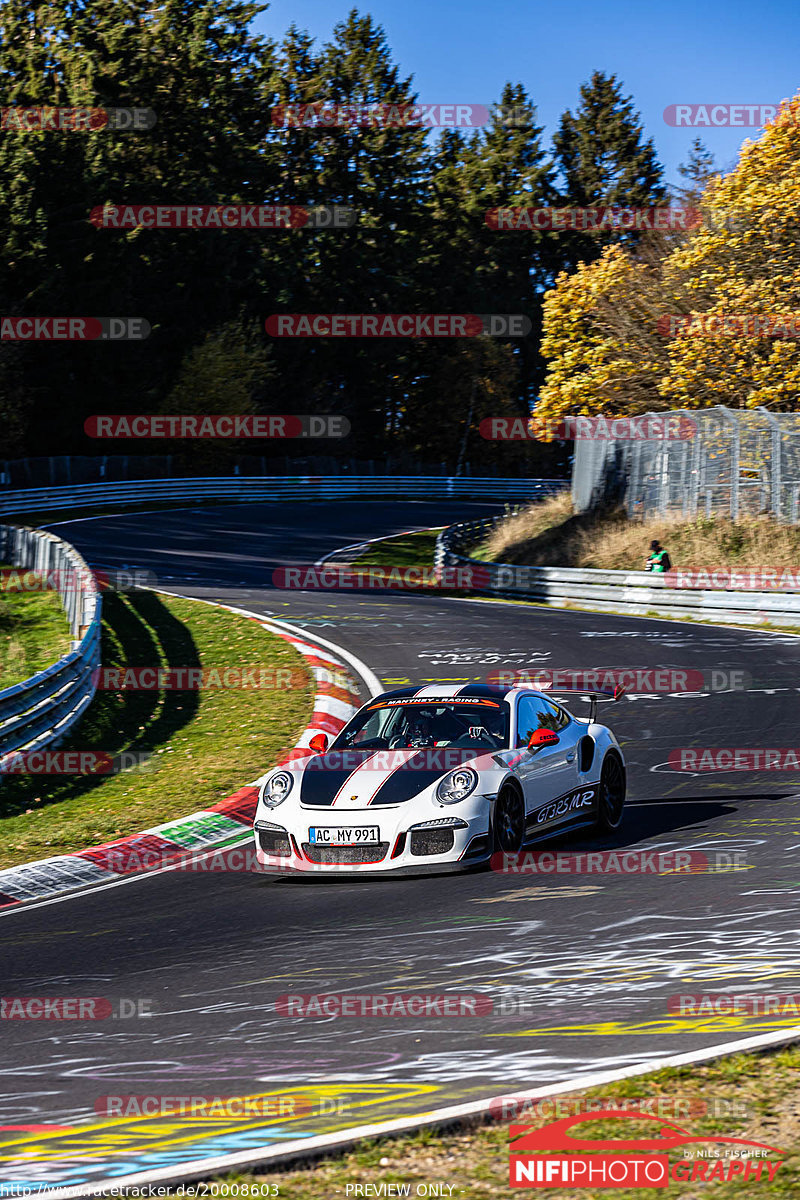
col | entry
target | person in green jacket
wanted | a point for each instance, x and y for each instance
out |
(659, 560)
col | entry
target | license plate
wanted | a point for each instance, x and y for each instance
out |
(337, 835)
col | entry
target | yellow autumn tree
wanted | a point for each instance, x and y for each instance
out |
(604, 326)
(749, 268)
(599, 334)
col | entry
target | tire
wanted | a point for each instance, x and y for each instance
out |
(611, 795)
(509, 820)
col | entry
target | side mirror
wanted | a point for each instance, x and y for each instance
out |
(542, 737)
(319, 743)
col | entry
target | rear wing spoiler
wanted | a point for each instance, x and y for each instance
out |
(593, 695)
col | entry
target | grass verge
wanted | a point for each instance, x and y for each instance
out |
(405, 550)
(752, 1096)
(551, 534)
(197, 746)
(34, 634)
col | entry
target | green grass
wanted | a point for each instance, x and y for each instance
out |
(550, 534)
(407, 550)
(475, 1161)
(34, 634)
(200, 745)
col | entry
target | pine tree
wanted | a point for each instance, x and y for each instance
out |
(516, 171)
(698, 170)
(374, 266)
(204, 74)
(604, 160)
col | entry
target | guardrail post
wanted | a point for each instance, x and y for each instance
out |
(731, 420)
(635, 484)
(775, 473)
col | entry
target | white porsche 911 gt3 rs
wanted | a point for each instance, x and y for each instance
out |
(439, 778)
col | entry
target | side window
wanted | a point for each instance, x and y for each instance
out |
(534, 712)
(561, 716)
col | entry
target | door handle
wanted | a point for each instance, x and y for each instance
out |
(571, 756)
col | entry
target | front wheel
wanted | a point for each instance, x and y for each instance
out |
(509, 820)
(611, 797)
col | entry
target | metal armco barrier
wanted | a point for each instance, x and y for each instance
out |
(41, 710)
(637, 593)
(278, 488)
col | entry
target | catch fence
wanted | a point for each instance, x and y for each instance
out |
(732, 462)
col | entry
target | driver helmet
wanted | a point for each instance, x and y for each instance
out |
(420, 726)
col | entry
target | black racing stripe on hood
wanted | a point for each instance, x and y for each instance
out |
(327, 773)
(419, 772)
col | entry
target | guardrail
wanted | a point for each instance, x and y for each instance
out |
(637, 593)
(40, 711)
(277, 488)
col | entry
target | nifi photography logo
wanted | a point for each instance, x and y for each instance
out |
(549, 1156)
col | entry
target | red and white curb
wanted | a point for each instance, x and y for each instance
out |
(219, 827)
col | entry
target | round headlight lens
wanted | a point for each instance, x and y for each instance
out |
(277, 788)
(457, 785)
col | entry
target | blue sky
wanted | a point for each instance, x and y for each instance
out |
(665, 53)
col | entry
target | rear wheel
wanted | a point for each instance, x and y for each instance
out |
(611, 797)
(509, 820)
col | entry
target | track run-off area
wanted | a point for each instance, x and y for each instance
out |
(580, 967)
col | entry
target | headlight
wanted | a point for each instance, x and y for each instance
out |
(277, 788)
(457, 785)
(442, 823)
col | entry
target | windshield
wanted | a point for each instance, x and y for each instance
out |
(409, 723)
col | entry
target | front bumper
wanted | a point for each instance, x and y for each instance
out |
(410, 843)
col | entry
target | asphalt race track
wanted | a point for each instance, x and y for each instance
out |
(580, 967)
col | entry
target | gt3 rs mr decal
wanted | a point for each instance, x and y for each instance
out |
(571, 803)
